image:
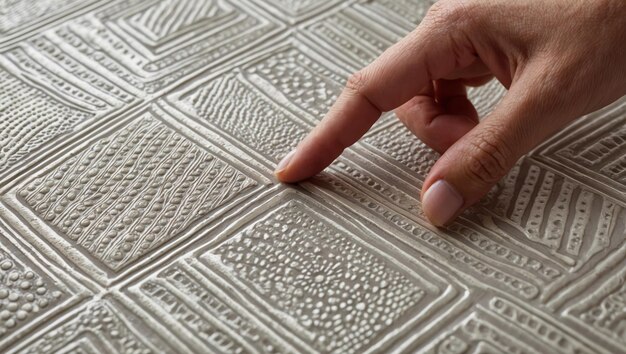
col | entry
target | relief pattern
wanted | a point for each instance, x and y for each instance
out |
(139, 214)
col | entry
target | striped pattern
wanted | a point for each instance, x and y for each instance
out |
(170, 16)
(602, 152)
(14, 14)
(234, 107)
(29, 118)
(144, 185)
(556, 212)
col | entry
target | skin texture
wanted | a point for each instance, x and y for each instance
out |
(559, 60)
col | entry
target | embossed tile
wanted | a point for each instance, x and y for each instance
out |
(17, 17)
(332, 296)
(400, 15)
(39, 105)
(139, 213)
(335, 291)
(293, 11)
(151, 45)
(20, 133)
(233, 107)
(98, 327)
(200, 312)
(600, 312)
(28, 293)
(595, 145)
(487, 329)
(127, 194)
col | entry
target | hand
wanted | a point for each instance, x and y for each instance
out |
(559, 59)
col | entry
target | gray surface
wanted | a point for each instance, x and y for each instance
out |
(139, 214)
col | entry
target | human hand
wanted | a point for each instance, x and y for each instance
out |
(559, 59)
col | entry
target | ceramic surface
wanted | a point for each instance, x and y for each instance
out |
(138, 212)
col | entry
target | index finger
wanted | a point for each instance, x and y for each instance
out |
(426, 54)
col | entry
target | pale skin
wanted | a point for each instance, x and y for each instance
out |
(559, 60)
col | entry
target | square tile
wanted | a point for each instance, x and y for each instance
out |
(294, 11)
(184, 300)
(18, 16)
(333, 290)
(98, 327)
(150, 46)
(592, 149)
(30, 290)
(129, 193)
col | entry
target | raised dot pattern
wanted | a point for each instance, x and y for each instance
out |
(23, 293)
(606, 314)
(539, 328)
(129, 193)
(336, 289)
(553, 211)
(305, 82)
(397, 142)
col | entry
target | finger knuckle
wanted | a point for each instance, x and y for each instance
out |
(356, 83)
(488, 159)
(451, 12)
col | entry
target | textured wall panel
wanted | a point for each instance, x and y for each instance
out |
(139, 214)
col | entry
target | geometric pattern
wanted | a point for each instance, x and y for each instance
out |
(146, 186)
(138, 211)
(595, 148)
(119, 215)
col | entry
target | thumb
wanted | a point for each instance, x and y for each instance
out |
(479, 159)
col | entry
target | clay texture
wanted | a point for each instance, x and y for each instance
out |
(139, 214)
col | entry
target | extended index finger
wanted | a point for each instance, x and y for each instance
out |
(426, 54)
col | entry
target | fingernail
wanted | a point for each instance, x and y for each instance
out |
(285, 161)
(441, 202)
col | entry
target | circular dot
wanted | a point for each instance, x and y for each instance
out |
(25, 285)
(6, 265)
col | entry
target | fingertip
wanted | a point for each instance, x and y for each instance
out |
(283, 171)
(284, 162)
(441, 203)
(304, 162)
